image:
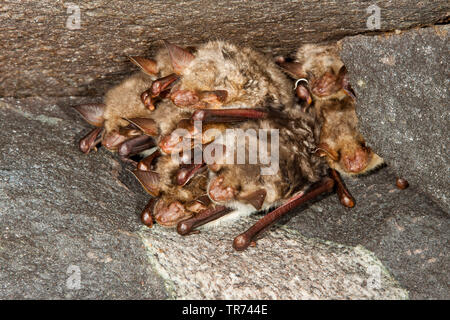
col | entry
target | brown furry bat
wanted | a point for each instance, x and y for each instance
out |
(226, 85)
(340, 140)
(222, 76)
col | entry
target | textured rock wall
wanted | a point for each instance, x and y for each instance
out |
(40, 55)
(402, 82)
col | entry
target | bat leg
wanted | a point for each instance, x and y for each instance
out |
(242, 241)
(344, 195)
(146, 163)
(187, 226)
(227, 115)
(91, 140)
(136, 145)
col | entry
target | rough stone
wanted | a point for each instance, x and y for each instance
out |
(405, 229)
(62, 212)
(401, 81)
(42, 54)
(283, 265)
(60, 208)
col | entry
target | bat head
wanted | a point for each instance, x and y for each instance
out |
(221, 74)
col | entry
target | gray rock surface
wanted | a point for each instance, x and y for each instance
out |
(62, 211)
(41, 55)
(402, 82)
(283, 265)
(60, 208)
(405, 229)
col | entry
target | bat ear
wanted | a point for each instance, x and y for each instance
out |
(180, 57)
(147, 65)
(92, 113)
(294, 69)
(149, 180)
(147, 126)
(342, 79)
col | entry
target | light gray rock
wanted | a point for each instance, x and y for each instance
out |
(283, 265)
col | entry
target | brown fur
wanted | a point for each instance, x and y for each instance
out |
(252, 81)
(250, 78)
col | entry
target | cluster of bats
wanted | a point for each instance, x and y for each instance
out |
(308, 99)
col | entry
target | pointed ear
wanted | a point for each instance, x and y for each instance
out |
(92, 113)
(149, 180)
(180, 57)
(342, 79)
(147, 126)
(147, 65)
(294, 69)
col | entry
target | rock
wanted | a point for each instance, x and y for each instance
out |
(283, 265)
(44, 51)
(62, 211)
(405, 229)
(401, 81)
(65, 215)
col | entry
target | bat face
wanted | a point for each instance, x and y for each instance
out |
(333, 101)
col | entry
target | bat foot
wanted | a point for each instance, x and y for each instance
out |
(91, 140)
(401, 183)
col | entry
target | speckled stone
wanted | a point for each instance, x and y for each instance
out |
(402, 82)
(63, 211)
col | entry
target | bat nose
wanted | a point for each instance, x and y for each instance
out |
(355, 162)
